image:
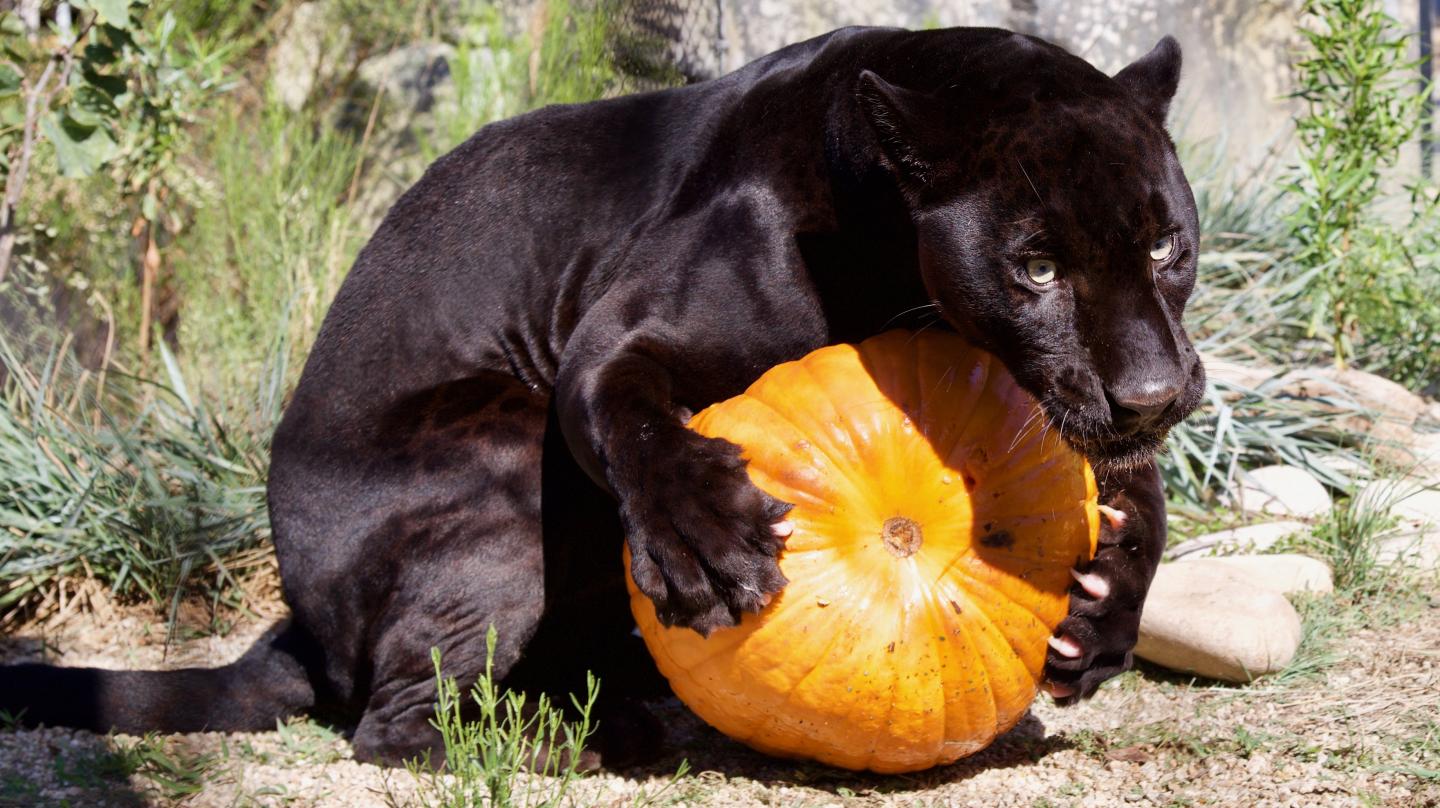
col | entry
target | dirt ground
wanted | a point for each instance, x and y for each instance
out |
(1356, 721)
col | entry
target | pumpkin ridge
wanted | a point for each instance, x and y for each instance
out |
(820, 659)
(1005, 395)
(830, 459)
(884, 364)
(889, 713)
(991, 591)
(931, 608)
(742, 633)
(923, 659)
(992, 594)
(720, 648)
(1011, 474)
(754, 409)
(968, 412)
(853, 442)
(942, 625)
(994, 669)
(956, 565)
(968, 628)
(1041, 574)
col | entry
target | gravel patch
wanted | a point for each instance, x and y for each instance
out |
(1364, 730)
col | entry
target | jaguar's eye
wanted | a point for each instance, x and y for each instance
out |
(1162, 248)
(1042, 270)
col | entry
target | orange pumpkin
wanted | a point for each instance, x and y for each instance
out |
(936, 521)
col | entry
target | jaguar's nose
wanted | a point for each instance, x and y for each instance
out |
(1134, 409)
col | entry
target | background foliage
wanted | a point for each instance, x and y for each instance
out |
(181, 203)
(178, 230)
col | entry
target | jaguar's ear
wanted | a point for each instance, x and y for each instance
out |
(895, 113)
(1152, 78)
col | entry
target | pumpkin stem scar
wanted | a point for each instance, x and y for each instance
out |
(902, 536)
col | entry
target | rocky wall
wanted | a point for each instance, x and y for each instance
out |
(1237, 52)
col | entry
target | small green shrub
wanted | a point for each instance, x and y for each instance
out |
(1239, 428)
(510, 755)
(1249, 307)
(144, 469)
(1374, 295)
(101, 89)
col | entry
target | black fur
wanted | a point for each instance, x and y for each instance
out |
(525, 334)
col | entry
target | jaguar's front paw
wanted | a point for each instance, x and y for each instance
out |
(1095, 642)
(703, 539)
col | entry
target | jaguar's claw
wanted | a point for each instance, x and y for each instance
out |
(1114, 516)
(1064, 645)
(1057, 691)
(1096, 586)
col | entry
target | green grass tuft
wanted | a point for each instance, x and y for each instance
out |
(148, 492)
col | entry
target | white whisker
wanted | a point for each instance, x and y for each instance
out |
(934, 304)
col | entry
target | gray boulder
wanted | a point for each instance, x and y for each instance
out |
(411, 76)
(312, 47)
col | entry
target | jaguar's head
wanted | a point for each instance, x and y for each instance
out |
(1057, 230)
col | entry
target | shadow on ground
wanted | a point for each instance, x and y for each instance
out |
(707, 750)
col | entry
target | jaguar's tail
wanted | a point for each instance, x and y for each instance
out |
(267, 683)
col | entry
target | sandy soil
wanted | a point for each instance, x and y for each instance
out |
(1362, 729)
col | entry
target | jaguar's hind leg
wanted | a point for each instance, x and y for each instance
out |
(455, 549)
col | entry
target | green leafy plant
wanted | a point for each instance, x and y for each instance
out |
(1250, 309)
(1373, 293)
(1348, 540)
(103, 85)
(511, 754)
(1239, 428)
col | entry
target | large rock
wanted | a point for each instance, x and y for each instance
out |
(1286, 573)
(396, 101)
(1249, 538)
(411, 76)
(1366, 390)
(1418, 457)
(1237, 374)
(1215, 622)
(1391, 443)
(1411, 501)
(312, 50)
(1281, 491)
(1381, 410)
(1416, 549)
